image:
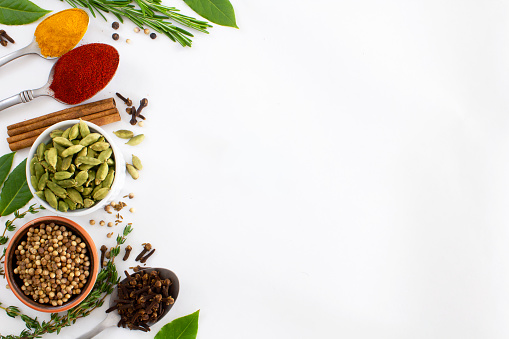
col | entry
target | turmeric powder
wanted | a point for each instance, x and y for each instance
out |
(59, 33)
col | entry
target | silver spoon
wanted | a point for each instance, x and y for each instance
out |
(33, 48)
(113, 318)
(31, 94)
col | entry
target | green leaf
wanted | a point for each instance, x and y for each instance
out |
(19, 12)
(5, 165)
(15, 193)
(218, 11)
(181, 328)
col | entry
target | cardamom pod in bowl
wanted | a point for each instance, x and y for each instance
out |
(75, 168)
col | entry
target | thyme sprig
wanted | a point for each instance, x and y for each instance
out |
(9, 226)
(106, 281)
(147, 13)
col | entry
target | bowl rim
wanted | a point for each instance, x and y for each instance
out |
(9, 253)
(119, 166)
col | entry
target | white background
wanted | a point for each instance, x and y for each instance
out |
(330, 170)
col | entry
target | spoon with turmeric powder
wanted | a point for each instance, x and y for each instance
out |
(55, 35)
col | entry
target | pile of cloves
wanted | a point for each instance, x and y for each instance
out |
(142, 300)
(5, 38)
(132, 111)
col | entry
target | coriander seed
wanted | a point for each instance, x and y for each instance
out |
(102, 223)
(146, 31)
(141, 124)
(132, 210)
(136, 29)
(92, 222)
(128, 41)
(110, 224)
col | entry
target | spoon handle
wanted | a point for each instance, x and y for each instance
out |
(30, 49)
(22, 97)
(111, 320)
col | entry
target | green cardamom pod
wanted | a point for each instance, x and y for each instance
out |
(32, 164)
(87, 191)
(101, 174)
(84, 167)
(62, 175)
(59, 191)
(63, 141)
(105, 155)
(109, 178)
(47, 167)
(110, 162)
(81, 177)
(56, 133)
(66, 163)
(97, 188)
(91, 153)
(74, 196)
(88, 161)
(124, 134)
(134, 141)
(40, 194)
(100, 146)
(88, 203)
(39, 169)
(74, 132)
(34, 182)
(42, 181)
(67, 183)
(66, 133)
(59, 164)
(75, 142)
(72, 169)
(84, 130)
(59, 148)
(79, 189)
(51, 157)
(91, 177)
(83, 153)
(70, 203)
(132, 171)
(72, 150)
(40, 151)
(62, 206)
(50, 198)
(101, 194)
(90, 139)
(137, 163)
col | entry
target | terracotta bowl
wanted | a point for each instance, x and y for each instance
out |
(15, 282)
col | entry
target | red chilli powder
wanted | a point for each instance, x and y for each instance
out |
(83, 72)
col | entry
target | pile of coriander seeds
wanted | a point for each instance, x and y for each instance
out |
(52, 263)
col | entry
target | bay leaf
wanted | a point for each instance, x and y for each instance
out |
(15, 193)
(218, 11)
(181, 328)
(5, 166)
(19, 12)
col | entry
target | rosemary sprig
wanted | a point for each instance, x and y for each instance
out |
(106, 281)
(9, 226)
(147, 13)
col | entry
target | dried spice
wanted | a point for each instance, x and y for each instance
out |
(83, 72)
(142, 300)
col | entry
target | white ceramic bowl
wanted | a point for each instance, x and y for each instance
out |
(120, 174)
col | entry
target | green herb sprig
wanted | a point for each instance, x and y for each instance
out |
(107, 279)
(147, 13)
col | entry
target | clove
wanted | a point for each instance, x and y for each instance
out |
(103, 253)
(126, 101)
(6, 36)
(145, 258)
(128, 250)
(133, 121)
(2, 41)
(146, 247)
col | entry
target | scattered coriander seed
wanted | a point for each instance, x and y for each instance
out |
(136, 29)
(132, 210)
(102, 223)
(107, 208)
(153, 36)
(115, 25)
(141, 124)
(128, 41)
(113, 204)
(92, 222)
(110, 224)
(115, 36)
(146, 30)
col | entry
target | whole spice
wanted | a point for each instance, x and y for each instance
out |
(6, 36)
(126, 101)
(40, 260)
(115, 36)
(134, 141)
(137, 163)
(2, 41)
(145, 258)
(142, 299)
(128, 250)
(124, 134)
(83, 72)
(103, 254)
(146, 247)
(59, 33)
(133, 172)
(153, 36)
(115, 25)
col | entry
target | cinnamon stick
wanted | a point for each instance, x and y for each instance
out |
(71, 113)
(98, 120)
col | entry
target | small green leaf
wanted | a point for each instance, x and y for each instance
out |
(181, 328)
(15, 193)
(19, 12)
(218, 11)
(5, 166)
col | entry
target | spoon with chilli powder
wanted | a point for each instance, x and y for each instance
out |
(55, 35)
(75, 77)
